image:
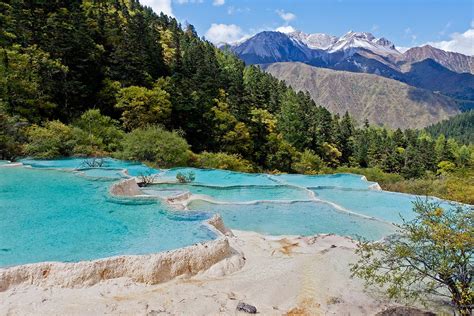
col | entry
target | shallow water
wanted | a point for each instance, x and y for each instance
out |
(133, 168)
(350, 181)
(48, 214)
(102, 173)
(298, 218)
(238, 193)
(388, 206)
(216, 177)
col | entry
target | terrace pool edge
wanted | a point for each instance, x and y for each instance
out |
(152, 268)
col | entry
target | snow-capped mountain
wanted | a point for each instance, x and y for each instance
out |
(313, 45)
(269, 47)
(314, 41)
(351, 41)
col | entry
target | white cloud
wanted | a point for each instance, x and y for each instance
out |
(188, 1)
(233, 10)
(159, 6)
(286, 16)
(460, 42)
(218, 2)
(285, 29)
(224, 33)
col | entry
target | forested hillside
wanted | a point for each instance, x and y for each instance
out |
(459, 127)
(110, 77)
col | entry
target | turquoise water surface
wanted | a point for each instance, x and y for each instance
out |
(61, 210)
(238, 193)
(133, 168)
(350, 181)
(388, 206)
(48, 215)
(214, 177)
(297, 218)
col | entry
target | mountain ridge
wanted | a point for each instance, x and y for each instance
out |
(453, 61)
(381, 100)
(320, 44)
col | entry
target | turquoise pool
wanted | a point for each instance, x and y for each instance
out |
(388, 206)
(221, 178)
(106, 174)
(61, 210)
(48, 215)
(238, 193)
(350, 181)
(133, 168)
(297, 218)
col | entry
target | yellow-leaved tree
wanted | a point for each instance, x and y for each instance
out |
(430, 256)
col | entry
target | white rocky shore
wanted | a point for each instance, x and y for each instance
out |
(278, 275)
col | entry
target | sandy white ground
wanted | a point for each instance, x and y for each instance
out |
(295, 275)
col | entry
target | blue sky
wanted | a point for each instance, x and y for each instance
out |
(447, 24)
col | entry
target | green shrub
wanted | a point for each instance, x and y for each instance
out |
(223, 161)
(185, 178)
(309, 163)
(429, 258)
(100, 131)
(142, 106)
(156, 145)
(87, 144)
(445, 167)
(12, 136)
(54, 139)
(281, 154)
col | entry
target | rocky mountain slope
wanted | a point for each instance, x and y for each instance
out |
(366, 96)
(270, 47)
(453, 61)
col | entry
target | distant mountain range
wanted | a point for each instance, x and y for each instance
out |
(332, 52)
(448, 74)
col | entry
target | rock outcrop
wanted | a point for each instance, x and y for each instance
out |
(247, 308)
(150, 269)
(12, 164)
(128, 187)
(217, 222)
